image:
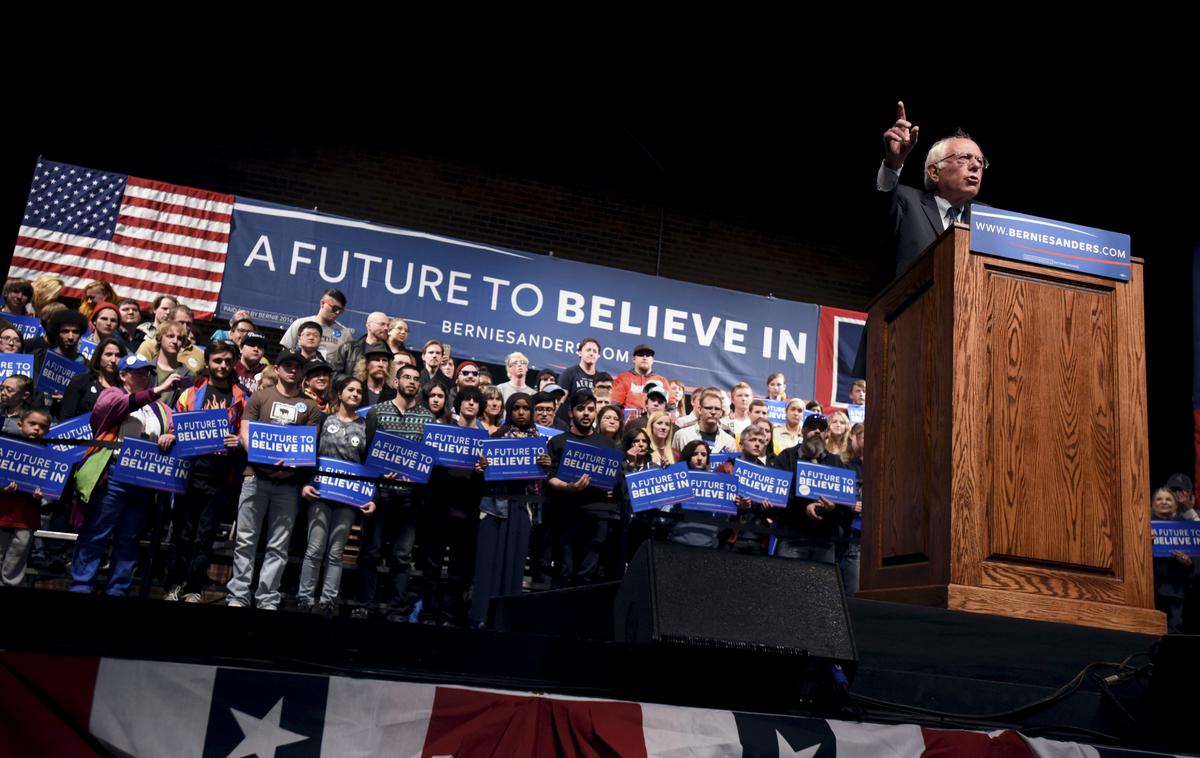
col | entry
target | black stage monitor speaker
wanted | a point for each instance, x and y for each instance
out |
(675, 595)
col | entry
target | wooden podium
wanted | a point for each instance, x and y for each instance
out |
(1006, 456)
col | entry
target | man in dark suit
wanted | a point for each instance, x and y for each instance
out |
(953, 173)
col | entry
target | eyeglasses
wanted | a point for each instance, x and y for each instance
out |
(11, 339)
(333, 306)
(966, 159)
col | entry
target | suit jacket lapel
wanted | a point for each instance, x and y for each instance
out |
(930, 206)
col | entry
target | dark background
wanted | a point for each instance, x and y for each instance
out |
(758, 185)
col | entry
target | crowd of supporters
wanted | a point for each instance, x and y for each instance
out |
(468, 539)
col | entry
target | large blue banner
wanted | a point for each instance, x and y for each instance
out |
(657, 487)
(513, 458)
(14, 364)
(1047, 242)
(33, 466)
(57, 373)
(488, 301)
(762, 484)
(455, 446)
(139, 462)
(393, 454)
(200, 432)
(712, 492)
(337, 489)
(1170, 536)
(837, 485)
(602, 465)
(277, 445)
(78, 428)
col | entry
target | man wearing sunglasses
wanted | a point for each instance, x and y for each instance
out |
(953, 173)
(333, 333)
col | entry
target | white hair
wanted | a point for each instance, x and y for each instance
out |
(937, 153)
(515, 356)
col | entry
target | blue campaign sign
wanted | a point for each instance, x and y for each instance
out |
(712, 492)
(777, 411)
(87, 349)
(28, 326)
(57, 372)
(1047, 242)
(762, 484)
(14, 364)
(856, 413)
(601, 464)
(391, 453)
(273, 444)
(346, 491)
(548, 431)
(140, 463)
(363, 411)
(1169, 536)
(33, 466)
(716, 459)
(78, 428)
(200, 432)
(489, 301)
(454, 446)
(657, 487)
(513, 458)
(837, 485)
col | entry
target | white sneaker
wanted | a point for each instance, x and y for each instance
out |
(192, 597)
(173, 593)
(235, 603)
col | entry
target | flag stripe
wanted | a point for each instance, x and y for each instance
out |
(166, 259)
(152, 707)
(195, 242)
(196, 198)
(200, 259)
(141, 280)
(138, 208)
(49, 253)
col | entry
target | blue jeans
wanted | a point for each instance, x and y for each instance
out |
(117, 512)
(328, 529)
(274, 502)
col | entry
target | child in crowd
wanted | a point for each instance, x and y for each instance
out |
(19, 515)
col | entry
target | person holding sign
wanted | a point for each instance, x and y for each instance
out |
(270, 494)
(83, 390)
(342, 435)
(579, 516)
(393, 531)
(502, 542)
(15, 393)
(112, 511)
(810, 526)
(953, 172)
(691, 527)
(63, 334)
(19, 514)
(1171, 574)
(449, 524)
(196, 514)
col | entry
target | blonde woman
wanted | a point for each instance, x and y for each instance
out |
(839, 434)
(789, 434)
(662, 439)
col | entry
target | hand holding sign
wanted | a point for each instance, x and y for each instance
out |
(900, 139)
(817, 507)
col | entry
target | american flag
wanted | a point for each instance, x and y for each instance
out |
(145, 238)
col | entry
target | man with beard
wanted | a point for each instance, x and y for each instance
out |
(376, 370)
(629, 388)
(197, 513)
(393, 531)
(346, 357)
(808, 528)
(579, 515)
(63, 334)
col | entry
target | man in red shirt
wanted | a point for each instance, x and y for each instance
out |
(629, 389)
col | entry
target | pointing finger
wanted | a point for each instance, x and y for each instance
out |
(900, 115)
